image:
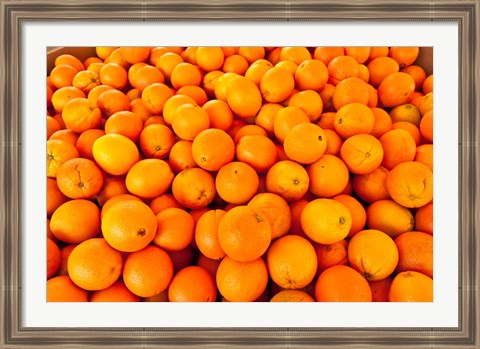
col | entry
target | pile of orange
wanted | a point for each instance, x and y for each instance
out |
(240, 174)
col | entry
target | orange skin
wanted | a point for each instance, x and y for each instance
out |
(380, 289)
(114, 75)
(209, 82)
(65, 135)
(112, 186)
(146, 76)
(185, 74)
(326, 54)
(175, 229)
(53, 258)
(248, 130)
(62, 289)
(424, 219)
(206, 234)
(350, 90)
(411, 286)
(235, 64)
(58, 151)
(334, 142)
(342, 67)
(95, 92)
(305, 143)
(311, 74)
(189, 120)
(251, 54)
(192, 284)
(257, 69)
(111, 101)
(328, 176)
(396, 89)
(213, 148)
(163, 202)
(209, 58)
(424, 155)
(288, 179)
(135, 54)
(173, 103)
(69, 60)
(80, 114)
(243, 97)
(167, 62)
(197, 93)
(194, 188)
(156, 141)
(362, 153)
(404, 56)
(122, 197)
(359, 216)
(55, 197)
(115, 154)
(286, 118)
(311, 102)
(380, 68)
(389, 217)
(353, 118)
(79, 178)
(292, 296)
(361, 54)
(415, 252)
(371, 187)
(137, 107)
(418, 74)
(398, 146)
(118, 292)
(219, 113)
(276, 211)
(64, 254)
(236, 182)
(426, 126)
(149, 178)
(411, 128)
(86, 80)
(258, 151)
(181, 157)
(61, 96)
(295, 54)
(125, 123)
(62, 75)
(155, 96)
(330, 255)
(341, 283)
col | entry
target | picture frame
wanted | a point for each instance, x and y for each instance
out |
(15, 14)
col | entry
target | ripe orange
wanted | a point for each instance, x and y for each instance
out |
(383, 122)
(189, 120)
(62, 289)
(353, 118)
(305, 143)
(389, 217)
(424, 155)
(212, 148)
(149, 178)
(331, 254)
(257, 69)
(276, 211)
(328, 176)
(115, 154)
(426, 126)
(350, 90)
(357, 211)
(86, 80)
(326, 54)
(53, 258)
(424, 219)
(112, 186)
(124, 123)
(79, 178)
(112, 101)
(380, 289)
(362, 153)
(258, 151)
(311, 74)
(371, 187)
(288, 179)
(167, 62)
(62, 75)
(122, 197)
(114, 75)
(236, 182)
(342, 67)
(292, 296)
(404, 56)
(79, 115)
(411, 286)
(175, 229)
(379, 68)
(209, 58)
(399, 146)
(219, 113)
(243, 97)
(341, 283)
(155, 96)
(185, 74)
(252, 53)
(396, 89)
(58, 151)
(129, 225)
(156, 141)
(286, 118)
(309, 101)
(55, 197)
(415, 251)
(64, 94)
(118, 292)
(180, 157)
(194, 188)
(206, 234)
(295, 54)
(192, 284)
(135, 54)
(235, 64)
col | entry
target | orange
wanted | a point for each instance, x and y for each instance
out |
(241, 281)
(286, 118)
(342, 67)
(410, 184)
(175, 229)
(295, 54)
(210, 81)
(124, 123)
(426, 126)
(373, 254)
(145, 76)
(334, 142)
(326, 120)
(103, 51)
(371, 187)
(219, 113)
(64, 254)
(243, 97)
(55, 197)
(424, 219)
(209, 58)
(331, 254)
(305, 143)
(80, 114)
(94, 265)
(69, 60)
(276, 211)
(206, 234)
(185, 74)
(382, 124)
(379, 68)
(406, 112)
(353, 118)
(418, 74)
(86, 80)
(115, 153)
(424, 155)
(326, 221)
(380, 289)
(113, 200)
(350, 90)
(411, 286)
(62, 75)
(236, 182)
(361, 54)
(311, 74)
(244, 233)
(65, 135)
(149, 178)
(292, 262)
(357, 211)
(362, 153)
(192, 284)
(155, 96)
(221, 85)
(156, 141)
(53, 258)
(396, 89)
(194, 188)
(135, 54)
(248, 130)
(212, 148)
(398, 146)
(79, 178)
(114, 75)
(197, 93)
(173, 103)
(292, 296)
(287, 179)
(118, 292)
(58, 151)
(189, 120)
(148, 272)
(415, 251)
(326, 54)
(167, 62)
(129, 225)
(112, 186)
(62, 289)
(341, 283)
(61, 96)
(163, 202)
(111, 101)
(378, 51)
(266, 115)
(328, 176)
(257, 151)
(427, 86)
(257, 69)
(309, 101)
(180, 157)
(235, 64)
(405, 56)
(389, 217)
(252, 53)
(409, 127)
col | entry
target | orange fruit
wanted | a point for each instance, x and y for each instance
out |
(292, 296)
(121, 197)
(309, 101)
(257, 151)
(353, 118)
(379, 68)
(311, 74)
(180, 157)
(389, 217)
(409, 127)
(219, 113)
(396, 89)
(79, 178)
(86, 80)
(175, 229)
(292, 262)
(404, 56)
(331, 254)
(328, 176)
(55, 197)
(357, 211)
(371, 187)
(373, 254)
(244, 233)
(342, 67)
(426, 126)
(94, 265)
(257, 69)
(334, 142)
(252, 53)
(173, 103)
(192, 284)
(206, 234)
(221, 85)
(362, 153)
(114, 75)
(189, 120)
(185, 74)
(427, 86)
(163, 202)
(276, 211)
(236, 182)
(326, 221)
(424, 219)
(361, 54)
(53, 258)
(58, 151)
(124, 123)
(155, 96)
(424, 155)
(112, 186)
(398, 146)
(118, 292)
(194, 188)
(156, 141)
(62, 75)
(197, 93)
(286, 118)
(410, 184)
(235, 64)
(411, 286)
(415, 250)
(128, 225)
(248, 130)
(80, 114)
(115, 153)
(62, 289)
(64, 94)
(148, 272)
(378, 51)
(149, 178)
(305, 143)
(243, 97)
(65, 135)
(209, 58)
(382, 124)
(167, 62)
(135, 54)
(418, 74)
(145, 76)
(210, 81)
(70, 60)
(241, 281)
(112, 101)
(350, 90)
(380, 289)
(287, 179)
(341, 283)
(212, 148)
(406, 112)
(326, 54)
(295, 54)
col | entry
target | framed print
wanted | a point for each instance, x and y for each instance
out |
(36, 34)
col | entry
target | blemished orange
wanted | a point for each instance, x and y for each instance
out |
(396, 89)
(156, 141)
(129, 225)
(286, 118)
(94, 264)
(326, 221)
(155, 96)
(148, 272)
(305, 143)
(80, 114)
(212, 148)
(371, 187)
(194, 188)
(398, 146)
(62, 289)
(175, 229)
(331, 254)
(362, 153)
(424, 219)
(243, 97)
(86, 80)
(404, 56)
(149, 178)
(258, 151)
(180, 157)
(58, 151)
(219, 113)
(328, 176)
(353, 118)
(357, 211)
(373, 254)
(236, 182)
(292, 262)
(276, 211)
(125, 123)
(288, 179)
(189, 120)
(380, 289)
(309, 101)
(79, 178)
(244, 233)
(411, 286)
(206, 234)
(389, 217)
(192, 284)
(292, 296)
(341, 283)
(118, 292)
(115, 153)
(241, 281)
(53, 258)
(350, 90)
(410, 184)
(311, 74)
(415, 251)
